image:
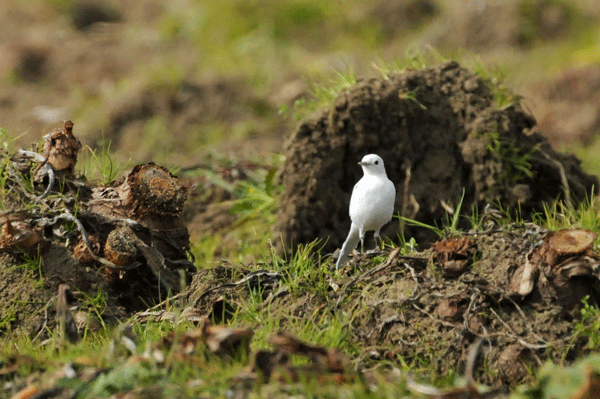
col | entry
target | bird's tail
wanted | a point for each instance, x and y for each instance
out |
(349, 245)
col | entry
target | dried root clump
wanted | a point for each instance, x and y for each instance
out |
(151, 193)
(61, 148)
(121, 250)
(19, 236)
(120, 247)
(83, 254)
(564, 268)
(127, 240)
(566, 243)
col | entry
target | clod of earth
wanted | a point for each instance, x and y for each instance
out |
(439, 132)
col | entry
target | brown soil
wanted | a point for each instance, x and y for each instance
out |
(406, 312)
(49, 53)
(438, 131)
(188, 111)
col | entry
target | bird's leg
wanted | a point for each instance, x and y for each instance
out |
(362, 241)
(377, 240)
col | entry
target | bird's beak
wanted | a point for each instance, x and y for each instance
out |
(361, 163)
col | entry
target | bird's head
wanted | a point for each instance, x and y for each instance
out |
(372, 164)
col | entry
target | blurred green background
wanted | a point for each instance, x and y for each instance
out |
(170, 81)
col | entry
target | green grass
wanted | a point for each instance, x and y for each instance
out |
(589, 325)
(516, 163)
(264, 44)
(100, 164)
(558, 216)
(563, 382)
(249, 203)
(304, 274)
(105, 350)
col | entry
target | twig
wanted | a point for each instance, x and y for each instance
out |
(465, 328)
(440, 321)
(163, 303)
(470, 367)
(18, 179)
(468, 311)
(407, 199)
(282, 291)
(470, 391)
(513, 335)
(413, 294)
(395, 302)
(46, 318)
(385, 322)
(405, 193)
(525, 320)
(502, 294)
(43, 165)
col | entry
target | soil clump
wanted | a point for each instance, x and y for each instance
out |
(442, 134)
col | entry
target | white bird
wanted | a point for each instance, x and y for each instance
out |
(371, 204)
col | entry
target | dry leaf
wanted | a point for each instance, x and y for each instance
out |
(452, 255)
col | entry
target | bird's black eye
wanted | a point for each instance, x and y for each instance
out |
(376, 162)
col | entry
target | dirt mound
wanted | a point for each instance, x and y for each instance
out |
(439, 131)
(409, 311)
(86, 13)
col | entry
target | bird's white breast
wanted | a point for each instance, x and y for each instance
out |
(372, 202)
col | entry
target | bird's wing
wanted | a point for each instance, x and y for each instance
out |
(356, 193)
(392, 193)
